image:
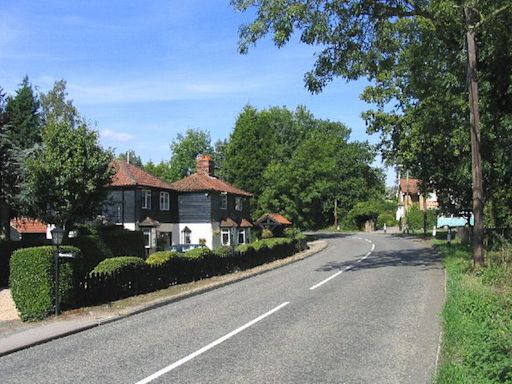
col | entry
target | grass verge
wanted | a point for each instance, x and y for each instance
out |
(477, 318)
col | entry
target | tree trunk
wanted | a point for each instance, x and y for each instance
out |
(476, 166)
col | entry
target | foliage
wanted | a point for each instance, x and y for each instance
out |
(266, 234)
(32, 281)
(477, 320)
(387, 219)
(116, 264)
(414, 56)
(198, 253)
(159, 258)
(56, 108)
(65, 182)
(416, 219)
(159, 170)
(224, 251)
(134, 158)
(185, 149)
(324, 167)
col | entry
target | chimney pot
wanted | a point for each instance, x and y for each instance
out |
(204, 165)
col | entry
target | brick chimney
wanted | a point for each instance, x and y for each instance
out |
(204, 165)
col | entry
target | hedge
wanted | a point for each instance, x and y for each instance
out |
(116, 264)
(159, 258)
(32, 274)
(6, 250)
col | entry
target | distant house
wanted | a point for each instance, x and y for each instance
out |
(138, 200)
(273, 222)
(409, 194)
(211, 211)
(24, 228)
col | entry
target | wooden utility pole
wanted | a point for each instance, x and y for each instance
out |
(335, 213)
(476, 161)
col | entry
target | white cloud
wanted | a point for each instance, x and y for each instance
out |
(109, 134)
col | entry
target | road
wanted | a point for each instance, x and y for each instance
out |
(364, 310)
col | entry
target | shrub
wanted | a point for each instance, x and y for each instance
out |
(386, 218)
(159, 258)
(291, 232)
(244, 249)
(415, 218)
(224, 251)
(266, 234)
(115, 264)
(198, 253)
(31, 280)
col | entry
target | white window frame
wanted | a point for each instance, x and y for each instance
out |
(225, 231)
(223, 200)
(185, 235)
(164, 201)
(239, 203)
(146, 199)
(147, 232)
(241, 231)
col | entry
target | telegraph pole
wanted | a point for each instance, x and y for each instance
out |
(476, 161)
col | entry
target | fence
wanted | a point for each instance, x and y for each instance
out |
(103, 287)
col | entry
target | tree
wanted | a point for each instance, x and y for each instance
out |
(56, 107)
(159, 170)
(382, 40)
(325, 167)
(131, 156)
(20, 131)
(65, 181)
(185, 149)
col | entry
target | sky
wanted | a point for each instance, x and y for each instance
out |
(144, 71)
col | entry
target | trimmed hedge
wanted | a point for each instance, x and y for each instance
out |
(6, 250)
(159, 258)
(198, 253)
(31, 280)
(115, 264)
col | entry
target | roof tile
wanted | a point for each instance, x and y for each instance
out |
(200, 182)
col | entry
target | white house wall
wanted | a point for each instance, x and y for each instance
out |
(197, 231)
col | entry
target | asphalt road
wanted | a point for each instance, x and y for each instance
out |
(364, 310)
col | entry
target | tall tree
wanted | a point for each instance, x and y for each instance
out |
(65, 180)
(185, 149)
(380, 39)
(56, 107)
(159, 170)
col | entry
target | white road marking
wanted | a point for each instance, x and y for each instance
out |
(210, 346)
(347, 268)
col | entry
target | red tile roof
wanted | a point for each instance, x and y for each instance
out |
(245, 224)
(280, 219)
(200, 182)
(409, 185)
(228, 222)
(130, 175)
(27, 225)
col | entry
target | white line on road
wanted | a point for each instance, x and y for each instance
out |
(210, 346)
(346, 268)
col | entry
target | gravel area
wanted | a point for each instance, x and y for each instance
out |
(8, 310)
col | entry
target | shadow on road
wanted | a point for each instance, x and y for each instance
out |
(424, 258)
(310, 236)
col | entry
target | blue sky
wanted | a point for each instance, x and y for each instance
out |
(144, 71)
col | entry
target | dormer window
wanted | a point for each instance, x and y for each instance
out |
(238, 204)
(223, 200)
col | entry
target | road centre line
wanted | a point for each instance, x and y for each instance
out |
(210, 346)
(346, 268)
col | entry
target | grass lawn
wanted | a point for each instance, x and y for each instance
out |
(477, 317)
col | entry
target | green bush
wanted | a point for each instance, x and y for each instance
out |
(198, 253)
(32, 274)
(386, 218)
(415, 219)
(224, 251)
(244, 249)
(266, 234)
(6, 250)
(159, 258)
(115, 264)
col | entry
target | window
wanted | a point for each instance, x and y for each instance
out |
(147, 237)
(186, 235)
(238, 204)
(241, 236)
(164, 201)
(223, 201)
(146, 199)
(225, 236)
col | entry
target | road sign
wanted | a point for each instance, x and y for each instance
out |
(66, 254)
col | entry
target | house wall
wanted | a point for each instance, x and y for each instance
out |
(218, 214)
(194, 207)
(198, 231)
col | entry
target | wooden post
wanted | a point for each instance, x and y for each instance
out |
(335, 213)
(476, 161)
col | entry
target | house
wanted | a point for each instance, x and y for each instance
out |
(409, 194)
(24, 228)
(138, 200)
(273, 222)
(211, 211)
